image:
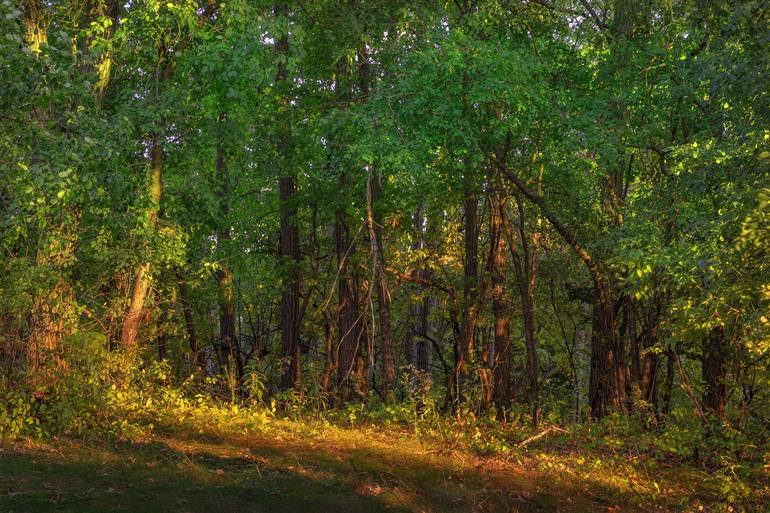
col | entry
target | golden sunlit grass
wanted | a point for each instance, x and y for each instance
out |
(286, 465)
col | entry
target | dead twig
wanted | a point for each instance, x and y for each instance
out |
(535, 438)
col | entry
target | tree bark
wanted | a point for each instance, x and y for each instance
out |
(526, 275)
(227, 333)
(289, 231)
(380, 279)
(348, 321)
(467, 347)
(714, 368)
(135, 313)
(605, 392)
(501, 304)
(189, 322)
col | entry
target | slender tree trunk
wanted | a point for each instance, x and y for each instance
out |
(135, 313)
(227, 333)
(668, 386)
(411, 340)
(374, 222)
(189, 322)
(347, 314)
(526, 274)
(466, 350)
(714, 368)
(501, 304)
(289, 231)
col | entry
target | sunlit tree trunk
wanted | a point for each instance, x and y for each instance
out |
(34, 24)
(141, 283)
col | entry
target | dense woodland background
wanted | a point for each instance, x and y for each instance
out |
(535, 210)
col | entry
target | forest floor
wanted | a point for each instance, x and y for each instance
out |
(290, 467)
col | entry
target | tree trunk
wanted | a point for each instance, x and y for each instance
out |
(348, 321)
(466, 350)
(189, 322)
(289, 236)
(501, 304)
(380, 279)
(135, 312)
(714, 367)
(34, 24)
(668, 386)
(227, 332)
(606, 389)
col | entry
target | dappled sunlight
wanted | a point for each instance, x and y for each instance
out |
(465, 256)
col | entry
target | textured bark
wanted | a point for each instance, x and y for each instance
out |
(607, 385)
(501, 304)
(34, 24)
(289, 231)
(466, 345)
(348, 321)
(714, 368)
(606, 389)
(380, 279)
(227, 333)
(135, 313)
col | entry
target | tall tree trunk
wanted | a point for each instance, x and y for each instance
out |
(501, 304)
(348, 321)
(141, 283)
(227, 333)
(411, 340)
(525, 275)
(289, 236)
(380, 279)
(467, 347)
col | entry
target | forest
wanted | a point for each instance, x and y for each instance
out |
(385, 255)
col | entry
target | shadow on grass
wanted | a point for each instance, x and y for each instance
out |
(156, 478)
(275, 472)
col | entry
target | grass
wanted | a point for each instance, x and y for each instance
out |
(306, 467)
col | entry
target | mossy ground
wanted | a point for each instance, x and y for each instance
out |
(291, 466)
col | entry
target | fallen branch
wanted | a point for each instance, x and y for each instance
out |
(535, 438)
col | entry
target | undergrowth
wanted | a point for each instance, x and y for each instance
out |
(99, 393)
